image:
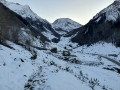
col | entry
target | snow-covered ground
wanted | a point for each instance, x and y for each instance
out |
(14, 72)
(51, 71)
(64, 43)
(101, 48)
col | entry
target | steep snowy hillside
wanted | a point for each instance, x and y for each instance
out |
(24, 11)
(105, 26)
(32, 19)
(65, 25)
(13, 28)
(112, 12)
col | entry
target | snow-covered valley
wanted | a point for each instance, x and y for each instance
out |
(54, 71)
(64, 55)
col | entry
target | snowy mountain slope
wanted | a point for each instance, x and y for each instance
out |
(23, 11)
(49, 72)
(32, 19)
(103, 27)
(112, 12)
(64, 25)
(13, 28)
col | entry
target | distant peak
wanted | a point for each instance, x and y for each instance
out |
(64, 20)
(65, 24)
(27, 6)
(67, 19)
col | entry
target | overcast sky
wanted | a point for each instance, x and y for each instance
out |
(79, 10)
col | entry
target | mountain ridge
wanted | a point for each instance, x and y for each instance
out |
(33, 20)
(65, 25)
(103, 27)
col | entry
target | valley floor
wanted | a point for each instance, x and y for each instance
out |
(87, 68)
